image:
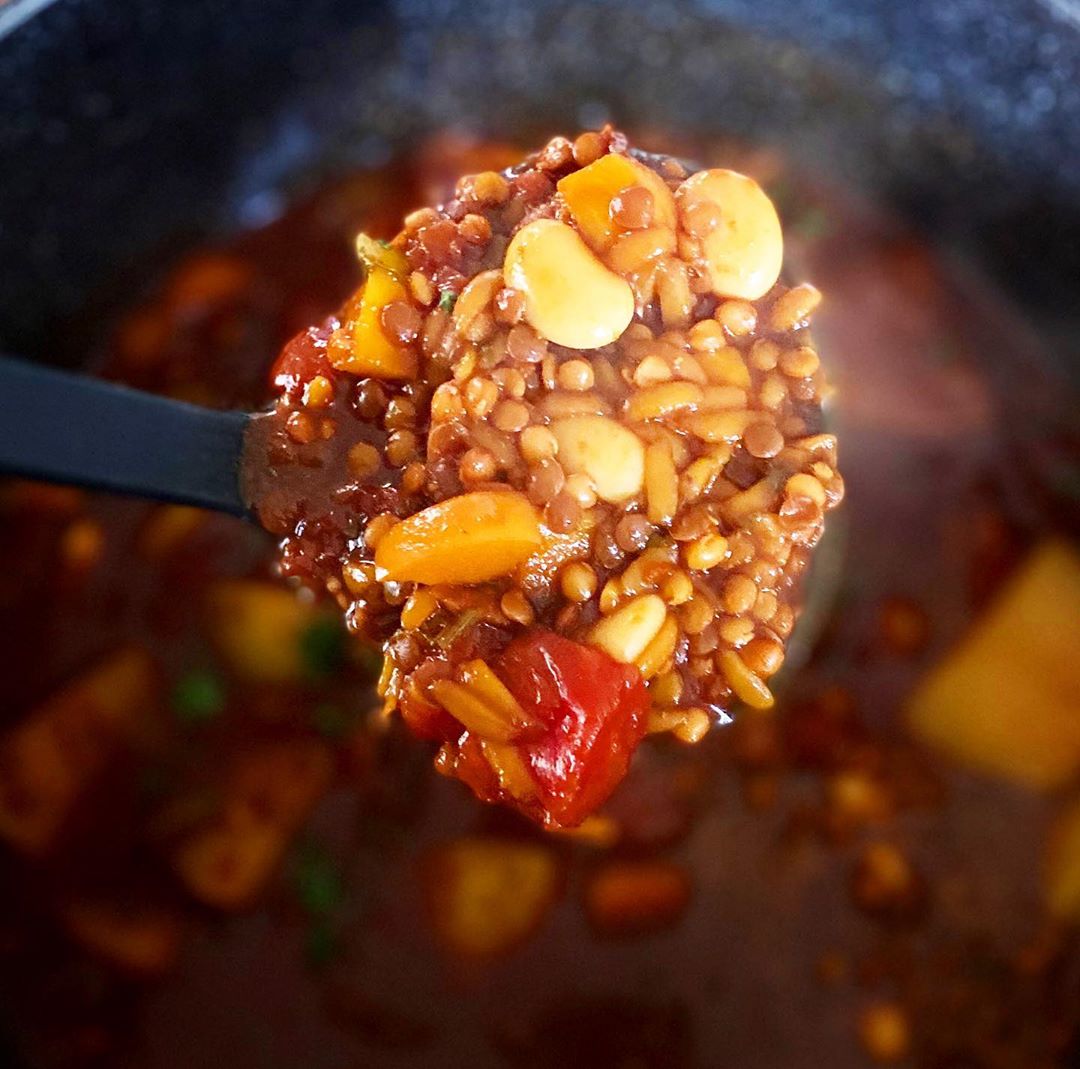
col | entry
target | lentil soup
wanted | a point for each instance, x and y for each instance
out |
(564, 441)
(213, 840)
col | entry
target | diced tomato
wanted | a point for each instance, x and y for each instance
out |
(303, 358)
(593, 710)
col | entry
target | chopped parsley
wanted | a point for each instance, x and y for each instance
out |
(320, 891)
(198, 697)
(447, 300)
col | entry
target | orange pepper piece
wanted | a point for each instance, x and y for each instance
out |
(588, 194)
(372, 352)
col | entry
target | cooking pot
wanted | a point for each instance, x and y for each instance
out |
(128, 133)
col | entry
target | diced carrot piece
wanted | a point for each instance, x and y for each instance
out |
(47, 761)
(227, 862)
(258, 628)
(143, 940)
(372, 352)
(1007, 699)
(633, 897)
(465, 539)
(588, 194)
(488, 896)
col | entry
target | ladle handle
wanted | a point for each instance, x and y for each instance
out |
(69, 428)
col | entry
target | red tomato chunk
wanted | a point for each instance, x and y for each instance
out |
(593, 712)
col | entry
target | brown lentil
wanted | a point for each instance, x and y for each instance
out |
(510, 416)
(363, 460)
(739, 594)
(632, 533)
(793, 308)
(763, 440)
(545, 481)
(763, 656)
(632, 209)
(477, 466)
(738, 318)
(799, 363)
(401, 321)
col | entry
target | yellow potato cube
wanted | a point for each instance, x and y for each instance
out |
(488, 896)
(1007, 699)
(372, 352)
(258, 628)
(49, 759)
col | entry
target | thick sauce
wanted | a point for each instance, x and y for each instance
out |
(803, 887)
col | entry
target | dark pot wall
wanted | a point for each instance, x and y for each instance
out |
(127, 129)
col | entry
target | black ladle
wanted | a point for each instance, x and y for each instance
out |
(68, 428)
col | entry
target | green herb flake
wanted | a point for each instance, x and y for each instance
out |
(198, 697)
(322, 648)
(317, 881)
(447, 300)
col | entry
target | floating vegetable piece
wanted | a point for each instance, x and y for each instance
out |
(1007, 699)
(627, 898)
(260, 629)
(50, 758)
(465, 539)
(143, 940)
(227, 862)
(488, 896)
